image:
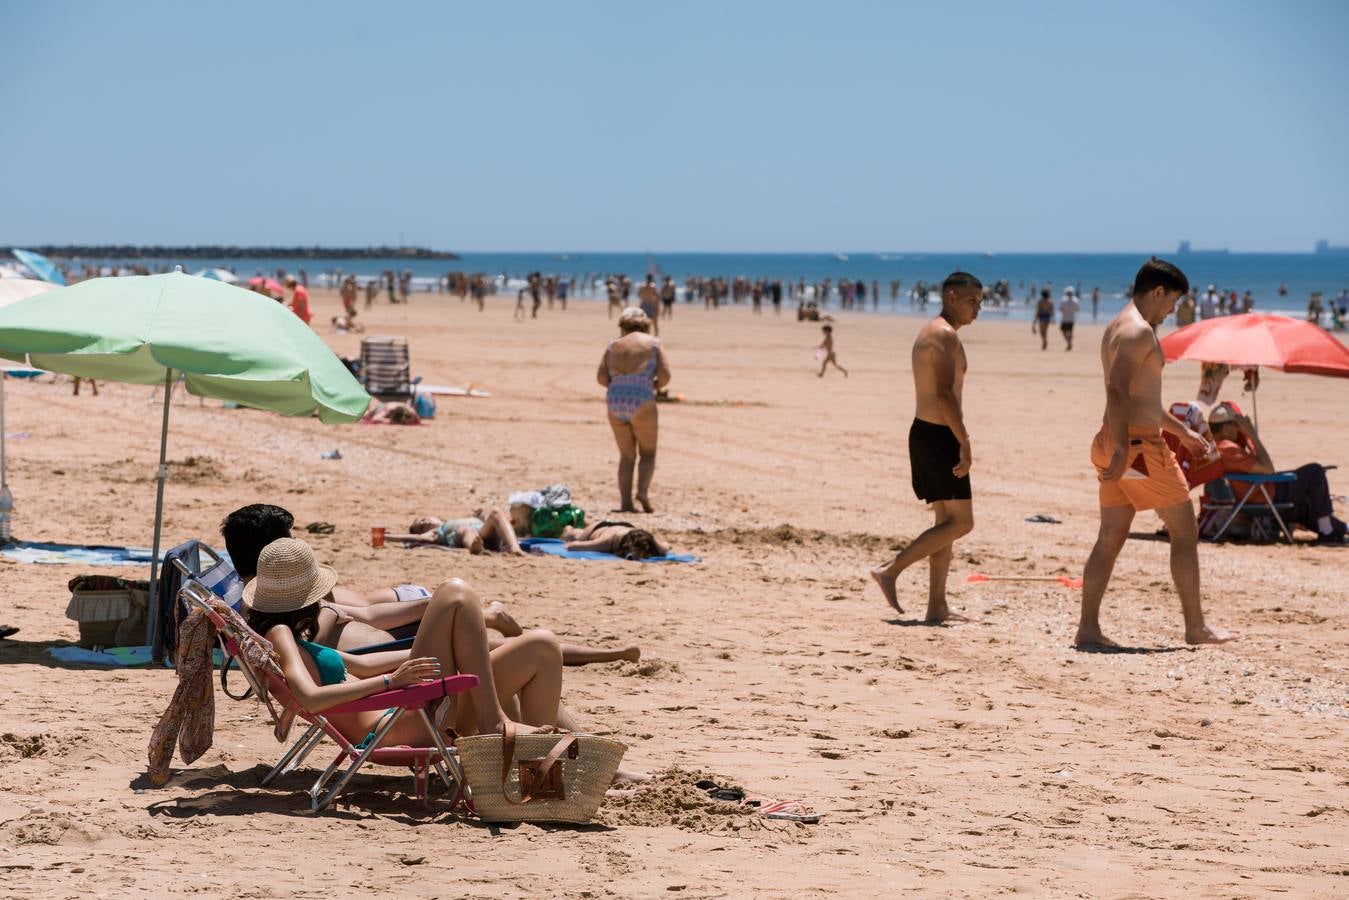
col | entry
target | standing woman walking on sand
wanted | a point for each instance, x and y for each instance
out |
(633, 369)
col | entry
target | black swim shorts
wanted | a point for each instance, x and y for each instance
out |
(1066, 327)
(933, 453)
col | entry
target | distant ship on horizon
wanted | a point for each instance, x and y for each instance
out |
(1186, 250)
(1326, 248)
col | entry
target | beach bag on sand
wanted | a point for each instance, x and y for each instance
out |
(538, 777)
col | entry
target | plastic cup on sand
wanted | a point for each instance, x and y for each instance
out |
(376, 537)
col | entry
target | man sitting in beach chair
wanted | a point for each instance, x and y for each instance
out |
(1306, 495)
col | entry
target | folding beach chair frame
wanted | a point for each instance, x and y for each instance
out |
(386, 379)
(416, 698)
(1253, 484)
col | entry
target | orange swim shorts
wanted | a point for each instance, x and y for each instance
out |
(1152, 480)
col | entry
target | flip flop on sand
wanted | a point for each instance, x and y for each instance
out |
(7, 630)
(789, 810)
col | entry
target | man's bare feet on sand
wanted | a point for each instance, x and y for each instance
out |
(1092, 637)
(628, 507)
(887, 583)
(940, 616)
(646, 505)
(1207, 634)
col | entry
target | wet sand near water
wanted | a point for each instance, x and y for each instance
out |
(957, 761)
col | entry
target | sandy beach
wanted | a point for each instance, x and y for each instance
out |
(956, 761)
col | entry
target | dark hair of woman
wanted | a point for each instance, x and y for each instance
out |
(637, 544)
(303, 622)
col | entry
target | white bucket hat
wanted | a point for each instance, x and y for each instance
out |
(289, 577)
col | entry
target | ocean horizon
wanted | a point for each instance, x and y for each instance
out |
(1263, 274)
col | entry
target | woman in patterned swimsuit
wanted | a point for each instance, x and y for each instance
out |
(633, 369)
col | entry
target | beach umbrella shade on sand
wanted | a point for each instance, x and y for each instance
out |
(224, 342)
(1256, 339)
(12, 290)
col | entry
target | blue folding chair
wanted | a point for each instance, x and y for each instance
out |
(1257, 501)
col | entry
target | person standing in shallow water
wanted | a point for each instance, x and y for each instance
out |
(1135, 468)
(939, 446)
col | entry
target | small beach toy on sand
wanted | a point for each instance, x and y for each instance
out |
(979, 578)
(376, 537)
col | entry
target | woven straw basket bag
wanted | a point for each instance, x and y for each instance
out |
(538, 777)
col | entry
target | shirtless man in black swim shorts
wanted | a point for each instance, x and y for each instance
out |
(939, 446)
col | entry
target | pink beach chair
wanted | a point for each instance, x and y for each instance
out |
(416, 699)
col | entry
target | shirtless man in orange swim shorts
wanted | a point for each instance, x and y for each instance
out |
(1136, 469)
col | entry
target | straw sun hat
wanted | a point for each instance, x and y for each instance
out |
(289, 578)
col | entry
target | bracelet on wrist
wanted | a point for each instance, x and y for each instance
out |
(387, 683)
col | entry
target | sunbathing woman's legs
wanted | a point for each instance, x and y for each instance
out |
(530, 666)
(582, 655)
(498, 534)
(452, 630)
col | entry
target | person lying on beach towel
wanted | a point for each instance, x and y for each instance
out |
(481, 531)
(393, 412)
(622, 539)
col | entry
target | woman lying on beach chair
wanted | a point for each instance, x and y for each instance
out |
(481, 531)
(282, 604)
(619, 538)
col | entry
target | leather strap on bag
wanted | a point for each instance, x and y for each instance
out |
(537, 780)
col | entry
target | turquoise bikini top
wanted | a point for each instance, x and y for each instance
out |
(331, 668)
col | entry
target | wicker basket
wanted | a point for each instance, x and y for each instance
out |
(585, 777)
(109, 618)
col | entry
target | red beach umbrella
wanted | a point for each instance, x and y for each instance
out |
(1254, 339)
(271, 285)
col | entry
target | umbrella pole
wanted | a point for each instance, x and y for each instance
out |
(152, 608)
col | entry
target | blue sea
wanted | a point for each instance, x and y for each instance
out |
(1260, 273)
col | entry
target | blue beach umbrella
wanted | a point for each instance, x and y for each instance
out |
(42, 267)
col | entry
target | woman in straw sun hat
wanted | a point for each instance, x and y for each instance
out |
(282, 604)
(632, 370)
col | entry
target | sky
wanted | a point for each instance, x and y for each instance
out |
(693, 126)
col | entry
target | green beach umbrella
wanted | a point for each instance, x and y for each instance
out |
(225, 343)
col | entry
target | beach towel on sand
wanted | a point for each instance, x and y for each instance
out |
(69, 554)
(556, 547)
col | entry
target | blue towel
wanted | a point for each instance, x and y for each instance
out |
(556, 547)
(75, 554)
(118, 657)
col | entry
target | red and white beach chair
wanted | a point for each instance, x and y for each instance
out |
(268, 683)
